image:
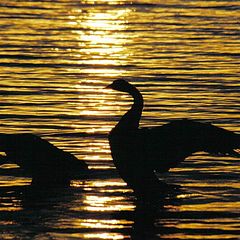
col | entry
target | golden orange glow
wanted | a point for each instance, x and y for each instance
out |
(102, 40)
(214, 206)
(98, 223)
(114, 236)
(10, 208)
(101, 235)
(13, 205)
(106, 204)
(57, 57)
(14, 181)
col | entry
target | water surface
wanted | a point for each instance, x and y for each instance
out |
(56, 57)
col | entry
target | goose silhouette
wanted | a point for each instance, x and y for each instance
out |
(44, 162)
(138, 152)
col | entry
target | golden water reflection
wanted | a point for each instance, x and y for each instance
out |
(104, 204)
(101, 39)
(110, 224)
(114, 236)
(101, 48)
(59, 56)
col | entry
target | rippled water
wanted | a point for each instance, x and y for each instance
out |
(56, 57)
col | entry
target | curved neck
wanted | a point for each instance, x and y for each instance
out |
(131, 118)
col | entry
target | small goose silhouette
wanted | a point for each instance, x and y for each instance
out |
(44, 162)
(139, 152)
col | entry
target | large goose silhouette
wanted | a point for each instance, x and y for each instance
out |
(44, 162)
(139, 152)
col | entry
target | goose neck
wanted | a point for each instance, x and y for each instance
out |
(131, 119)
(137, 97)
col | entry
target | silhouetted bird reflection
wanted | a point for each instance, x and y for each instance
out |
(44, 162)
(138, 152)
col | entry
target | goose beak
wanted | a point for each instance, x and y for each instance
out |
(109, 86)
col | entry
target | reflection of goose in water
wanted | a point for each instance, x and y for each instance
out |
(138, 152)
(47, 164)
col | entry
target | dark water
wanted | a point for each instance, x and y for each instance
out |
(56, 57)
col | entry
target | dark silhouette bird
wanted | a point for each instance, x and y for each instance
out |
(44, 162)
(139, 152)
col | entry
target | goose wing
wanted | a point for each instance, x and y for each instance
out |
(34, 153)
(171, 143)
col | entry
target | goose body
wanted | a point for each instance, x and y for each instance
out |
(139, 152)
(44, 162)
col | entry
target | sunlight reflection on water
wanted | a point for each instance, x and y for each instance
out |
(56, 59)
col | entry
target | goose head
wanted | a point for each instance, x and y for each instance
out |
(121, 85)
